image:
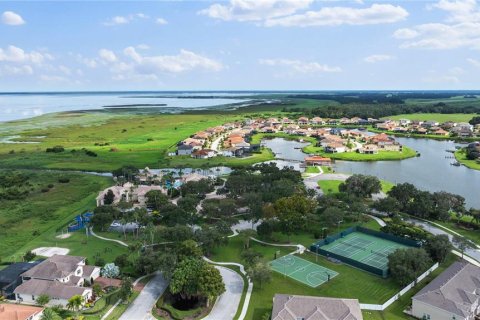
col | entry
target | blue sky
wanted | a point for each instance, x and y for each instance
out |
(239, 44)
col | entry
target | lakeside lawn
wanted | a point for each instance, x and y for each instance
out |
(312, 169)
(439, 117)
(461, 157)
(355, 156)
(32, 222)
(332, 186)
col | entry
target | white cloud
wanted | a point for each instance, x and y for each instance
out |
(161, 21)
(53, 78)
(107, 55)
(18, 55)
(184, 61)
(254, 10)
(378, 58)
(12, 19)
(16, 70)
(65, 70)
(460, 29)
(474, 62)
(119, 20)
(299, 66)
(143, 46)
(335, 16)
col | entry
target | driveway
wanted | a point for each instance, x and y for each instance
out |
(141, 307)
(227, 304)
(474, 253)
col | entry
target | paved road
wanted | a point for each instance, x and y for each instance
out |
(227, 304)
(141, 307)
(474, 253)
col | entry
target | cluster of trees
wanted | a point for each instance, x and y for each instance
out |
(406, 265)
(56, 149)
(405, 197)
(377, 105)
(14, 185)
(362, 186)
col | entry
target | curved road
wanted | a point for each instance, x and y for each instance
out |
(141, 307)
(227, 304)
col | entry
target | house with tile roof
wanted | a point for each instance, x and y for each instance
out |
(294, 307)
(19, 312)
(454, 294)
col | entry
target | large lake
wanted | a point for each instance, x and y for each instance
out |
(431, 171)
(27, 105)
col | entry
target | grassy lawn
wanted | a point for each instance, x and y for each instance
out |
(312, 170)
(439, 117)
(140, 140)
(329, 186)
(27, 223)
(120, 309)
(473, 235)
(354, 156)
(395, 311)
(462, 158)
(386, 185)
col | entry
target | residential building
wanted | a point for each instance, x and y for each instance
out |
(10, 277)
(184, 150)
(19, 312)
(318, 161)
(294, 307)
(454, 294)
(128, 192)
(60, 278)
(203, 154)
(302, 121)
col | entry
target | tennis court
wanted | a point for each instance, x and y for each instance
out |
(304, 271)
(364, 248)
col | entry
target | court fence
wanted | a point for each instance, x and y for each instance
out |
(381, 307)
(317, 248)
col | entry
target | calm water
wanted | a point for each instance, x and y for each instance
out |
(431, 171)
(287, 152)
(23, 105)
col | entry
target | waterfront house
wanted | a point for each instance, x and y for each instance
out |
(302, 121)
(184, 150)
(318, 161)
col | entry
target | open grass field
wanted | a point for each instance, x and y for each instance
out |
(354, 156)
(139, 140)
(462, 158)
(439, 117)
(25, 224)
(331, 186)
(312, 169)
(350, 283)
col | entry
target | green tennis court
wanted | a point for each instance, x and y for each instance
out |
(365, 248)
(304, 271)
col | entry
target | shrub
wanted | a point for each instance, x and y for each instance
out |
(56, 149)
(63, 180)
(50, 186)
(44, 190)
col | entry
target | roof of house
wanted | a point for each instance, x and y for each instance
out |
(454, 290)
(13, 271)
(293, 307)
(57, 266)
(53, 289)
(89, 270)
(318, 158)
(18, 312)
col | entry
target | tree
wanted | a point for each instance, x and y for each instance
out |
(438, 247)
(462, 244)
(388, 205)
(49, 314)
(361, 185)
(42, 300)
(332, 216)
(265, 229)
(251, 257)
(196, 278)
(406, 265)
(260, 273)
(109, 197)
(245, 235)
(126, 289)
(97, 289)
(292, 212)
(156, 199)
(110, 270)
(29, 256)
(75, 303)
(188, 249)
(404, 193)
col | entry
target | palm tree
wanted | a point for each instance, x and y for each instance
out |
(151, 230)
(123, 221)
(49, 314)
(75, 303)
